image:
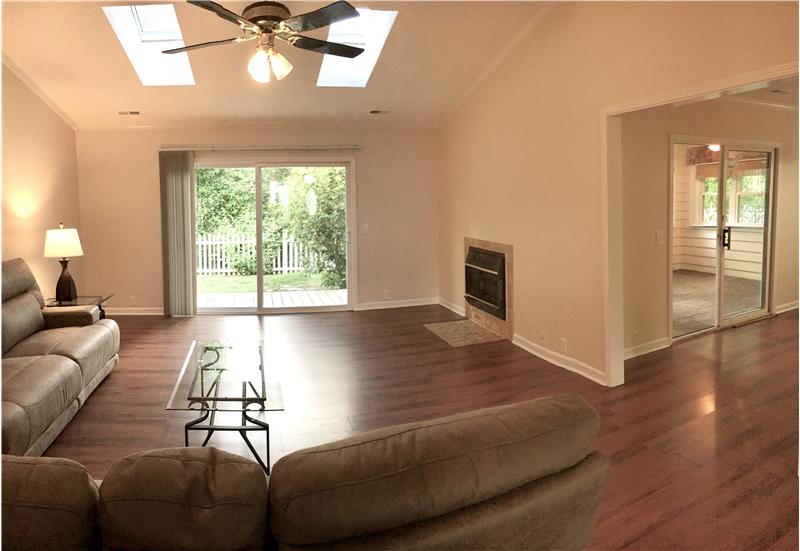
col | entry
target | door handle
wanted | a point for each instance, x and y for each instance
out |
(726, 238)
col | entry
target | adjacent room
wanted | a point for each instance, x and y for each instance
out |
(399, 275)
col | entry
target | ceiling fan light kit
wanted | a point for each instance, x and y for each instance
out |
(264, 21)
(266, 59)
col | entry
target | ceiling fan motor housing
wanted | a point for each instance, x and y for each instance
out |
(266, 14)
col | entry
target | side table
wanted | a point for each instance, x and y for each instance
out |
(89, 300)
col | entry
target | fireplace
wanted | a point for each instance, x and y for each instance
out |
(485, 281)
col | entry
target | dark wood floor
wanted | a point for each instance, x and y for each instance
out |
(703, 436)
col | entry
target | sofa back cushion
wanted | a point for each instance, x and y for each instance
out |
(22, 303)
(48, 503)
(184, 499)
(392, 477)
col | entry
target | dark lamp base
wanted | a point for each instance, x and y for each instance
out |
(65, 288)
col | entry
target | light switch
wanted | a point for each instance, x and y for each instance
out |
(364, 227)
(659, 237)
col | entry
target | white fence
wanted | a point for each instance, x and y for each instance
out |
(216, 254)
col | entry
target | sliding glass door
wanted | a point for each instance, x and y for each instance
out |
(744, 245)
(720, 235)
(273, 237)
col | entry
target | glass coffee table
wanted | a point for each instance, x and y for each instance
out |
(220, 378)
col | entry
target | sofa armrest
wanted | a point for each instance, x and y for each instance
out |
(69, 316)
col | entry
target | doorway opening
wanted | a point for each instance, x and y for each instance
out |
(721, 203)
(272, 238)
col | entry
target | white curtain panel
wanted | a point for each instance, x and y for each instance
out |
(177, 232)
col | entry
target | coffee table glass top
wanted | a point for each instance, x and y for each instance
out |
(88, 300)
(226, 376)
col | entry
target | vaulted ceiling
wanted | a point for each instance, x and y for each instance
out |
(434, 54)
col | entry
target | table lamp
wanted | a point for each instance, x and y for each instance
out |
(63, 243)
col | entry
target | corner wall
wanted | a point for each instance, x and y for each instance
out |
(523, 156)
(40, 182)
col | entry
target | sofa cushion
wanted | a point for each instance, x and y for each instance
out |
(182, 499)
(22, 303)
(39, 343)
(48, 503)
(18, 279)
(90, 347)
(391, 477)
(36, 390)
(22, 317)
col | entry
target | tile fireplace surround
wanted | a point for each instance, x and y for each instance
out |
(504, 328)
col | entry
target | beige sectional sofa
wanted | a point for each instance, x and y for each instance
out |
(53, 358)
(514, 477)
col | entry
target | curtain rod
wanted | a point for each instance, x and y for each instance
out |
(261, 148)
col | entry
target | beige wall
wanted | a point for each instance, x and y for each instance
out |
(40, 181)
(645, 161)
(396, 197)
(523, 155)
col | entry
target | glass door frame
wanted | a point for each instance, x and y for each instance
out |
(766, 269)
(726, 144)
(289, 159)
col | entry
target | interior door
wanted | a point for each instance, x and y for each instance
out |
(744, 234)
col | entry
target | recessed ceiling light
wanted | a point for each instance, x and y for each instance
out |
(369, 31)
(144, 31)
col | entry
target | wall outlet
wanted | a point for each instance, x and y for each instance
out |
(132, 301)
(563, 342)
(659, 237)
(543, 338)
(386, 293)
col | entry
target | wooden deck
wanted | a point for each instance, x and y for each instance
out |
(308, 298)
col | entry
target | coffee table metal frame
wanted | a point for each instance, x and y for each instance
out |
(208, 399)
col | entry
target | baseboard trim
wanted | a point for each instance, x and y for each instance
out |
(134, 311)
(382, 305)
(561, 360)
(647, 347)
(786, 307)
(452, 306)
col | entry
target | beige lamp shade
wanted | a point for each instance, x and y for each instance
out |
(62, 243)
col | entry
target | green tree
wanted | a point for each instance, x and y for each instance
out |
(226, 200)
(317, 220)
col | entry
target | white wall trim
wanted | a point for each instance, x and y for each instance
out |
(14, 68)
(706, 90)
(381, 305)
(785, 307)
(561, 360)
(452, 306)
(647, 347)
(134, 311)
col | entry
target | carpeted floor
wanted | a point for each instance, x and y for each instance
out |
(694, 299)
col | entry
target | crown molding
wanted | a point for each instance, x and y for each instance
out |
(27, 81)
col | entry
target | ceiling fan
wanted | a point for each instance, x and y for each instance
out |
(265, 21)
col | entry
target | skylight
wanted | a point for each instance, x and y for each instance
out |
(368, 31)
(144, 32)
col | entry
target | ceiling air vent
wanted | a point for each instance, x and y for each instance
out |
(129, 112)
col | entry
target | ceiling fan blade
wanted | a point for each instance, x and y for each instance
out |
(321, 46)
(226, 14)
(207, 44)
(338, 11)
